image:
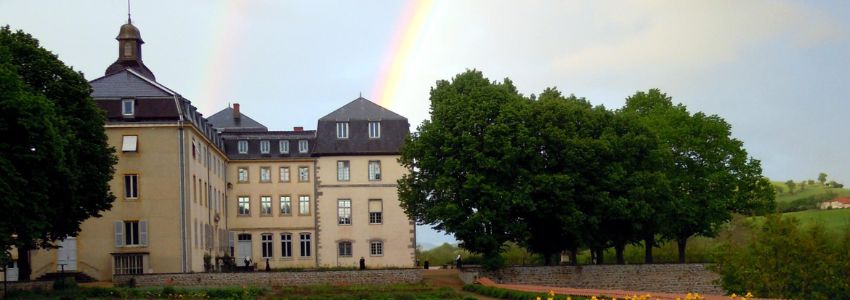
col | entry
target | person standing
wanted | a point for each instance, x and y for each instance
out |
(458, 263)
(362, 263)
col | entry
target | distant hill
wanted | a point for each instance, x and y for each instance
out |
(807, 198)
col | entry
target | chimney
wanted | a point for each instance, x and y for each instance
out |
(236, 114)
(298, 128)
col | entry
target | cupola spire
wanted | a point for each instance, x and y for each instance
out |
(130, 50)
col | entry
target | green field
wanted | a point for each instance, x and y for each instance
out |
(833, 220)
(807, 198)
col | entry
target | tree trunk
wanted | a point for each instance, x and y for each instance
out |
(24, 266)
(574, 257)
(620, 248)
(648, 244)
(600, 255)
(682, 242)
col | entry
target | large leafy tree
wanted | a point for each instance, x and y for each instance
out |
(709, 172)
(54, 156)
(469, 163)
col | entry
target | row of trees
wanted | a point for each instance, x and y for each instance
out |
(792, 185)
(554, 173)
(55, 163)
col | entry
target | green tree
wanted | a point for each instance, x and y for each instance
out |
(709, 172)
(822, 178)
(468, 164)
(791, 186)
(53, 149)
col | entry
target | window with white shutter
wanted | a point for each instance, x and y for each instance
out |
(119, 234)
(129, 143)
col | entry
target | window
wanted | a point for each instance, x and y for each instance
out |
(128, 107)
(376, 248)
(130, 143)
(265, 147)
(284, 174)
(284, 146)
(305, 244)
(286, 244)
(243, 174)
(285, 205)
(128, 49)
(303, 174)
(266, 205)
(342, 130)
(344, 211)
(244, 206)
(131, 233)
(131, 186)
(343, 168)
(265, 174)
(304, 205)
(344, 248)
(128, 264)
(374, 130)
(243, 147)
(267, 245)
(303, 146)
(376, 211)
(374, 170)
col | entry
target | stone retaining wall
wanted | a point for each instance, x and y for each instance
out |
(369, 277)
(28, 285)
(670, 278)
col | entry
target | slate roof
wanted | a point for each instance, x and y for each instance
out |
(362, 109)
(128, 83)
(231, 138)
(224, 120)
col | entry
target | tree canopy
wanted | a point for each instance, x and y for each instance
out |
(555, 173)
(55, 160)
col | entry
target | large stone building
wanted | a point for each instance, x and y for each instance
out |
(187, 186)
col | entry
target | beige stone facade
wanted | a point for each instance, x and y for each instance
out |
(188, 186)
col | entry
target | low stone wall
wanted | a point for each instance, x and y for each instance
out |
(28, 285)
(369, 277)
(670, 278)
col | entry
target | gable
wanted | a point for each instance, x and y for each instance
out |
(127, 83)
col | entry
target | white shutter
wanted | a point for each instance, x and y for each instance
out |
(143, 233)
(119, 233)
(375, 206)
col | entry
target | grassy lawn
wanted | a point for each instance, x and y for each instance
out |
(810, 191)
(397, 291)
(835, 221)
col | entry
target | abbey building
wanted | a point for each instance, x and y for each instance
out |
(189, 186)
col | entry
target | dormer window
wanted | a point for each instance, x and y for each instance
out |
(284, 146)
(128, 107)
(265, 147)
(342, 130)
(374, 130)
(243, 147)
(303, 146)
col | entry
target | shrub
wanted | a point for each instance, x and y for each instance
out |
(514, 295)
(782, 260)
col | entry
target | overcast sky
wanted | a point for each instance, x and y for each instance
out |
(778, 71)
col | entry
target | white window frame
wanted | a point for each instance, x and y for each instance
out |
(284, 174)
(306, 241)
(373, 212)
(341, 130)
(286, 244)
(131, 192)
(374, 130)
(376, 248)
(243, 146)
(242, 174)
(286, 199)
(132, 107)
(283, 146)
(303, 146)
(304, 205)
(265, 205)
(266, 245)
(247, 205)
(343, 211)
(303, 174)
(344, 249)
(265, 147)
(130, 143)
(374, 170)
(265, 174)
(343, 170)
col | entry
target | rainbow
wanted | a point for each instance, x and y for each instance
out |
(408, 31)
(221, 59)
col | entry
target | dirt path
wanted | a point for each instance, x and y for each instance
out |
(450, 279)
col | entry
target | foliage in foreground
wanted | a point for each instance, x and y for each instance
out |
(785, 260)
(143, 293)
(516, 295)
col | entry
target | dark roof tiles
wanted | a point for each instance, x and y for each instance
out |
(362, 109)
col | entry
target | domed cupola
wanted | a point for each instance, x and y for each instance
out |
(130, 51)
